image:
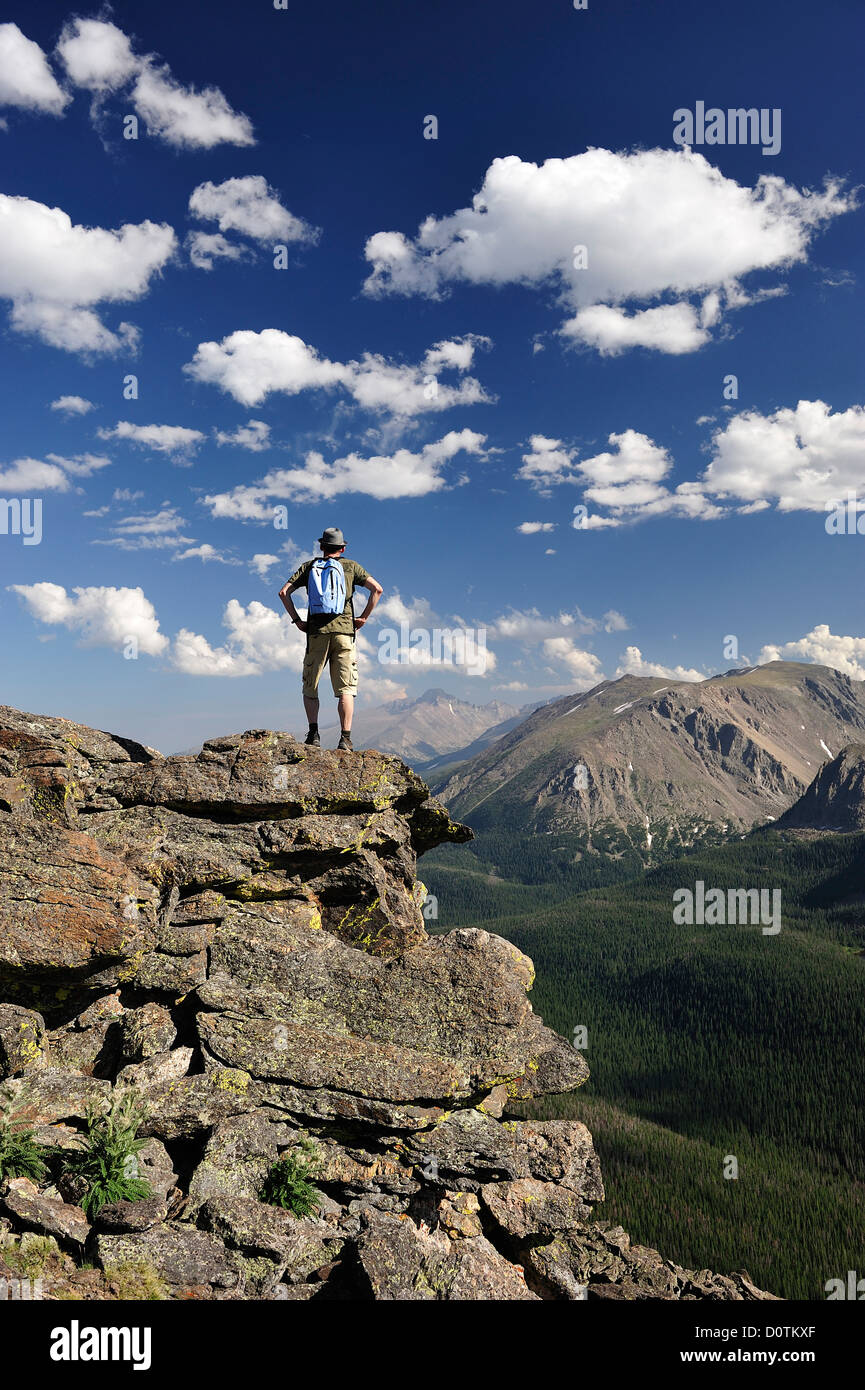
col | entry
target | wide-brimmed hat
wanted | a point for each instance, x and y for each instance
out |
(331, 538)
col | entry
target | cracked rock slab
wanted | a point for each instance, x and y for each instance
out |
(400, 1261)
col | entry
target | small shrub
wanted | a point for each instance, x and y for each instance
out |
(287, 1183)
(108, 1158)
(20, 1155)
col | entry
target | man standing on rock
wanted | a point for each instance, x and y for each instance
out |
(330, 627)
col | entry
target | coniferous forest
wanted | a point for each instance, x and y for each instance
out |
(725, 1099)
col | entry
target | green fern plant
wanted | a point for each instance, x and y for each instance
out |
(287, 1183)
(20, 1155)
(108, 1158)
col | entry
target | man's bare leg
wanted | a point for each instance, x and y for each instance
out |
(346, 712)
(310, 704)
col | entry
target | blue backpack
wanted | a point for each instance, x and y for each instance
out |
(325, 586)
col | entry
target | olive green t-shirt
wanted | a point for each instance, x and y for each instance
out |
(355, 574)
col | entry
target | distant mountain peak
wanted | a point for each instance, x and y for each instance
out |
(835, 800)
(420, 728)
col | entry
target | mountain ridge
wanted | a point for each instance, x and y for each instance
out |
(661, 764)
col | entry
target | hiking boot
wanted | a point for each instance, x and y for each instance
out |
(312, 739)
(345, 742)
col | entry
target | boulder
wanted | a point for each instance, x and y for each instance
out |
(67, 905)
(527, 1207)
(297, 1246)
(123, 1218)
(157, 1071)
(399, 1261)
(33, 1212)
(192, 1105)
(146, 1031)
(477, 1150)
(182, 1256)
(44, 1097)
(237, 1156)
(597, 1260)
(22, 1041)
(90, 1042)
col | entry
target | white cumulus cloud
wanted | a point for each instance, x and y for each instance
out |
(547, 461)
(72, 405)
(250, 366)
(801, 458)
(262, 563)
(26, 79)
(205, 553)
(249, 205)
(56, 273)
(633, 663)
(611, 234)
(206, 248)
(584, 667)
(402, 474)
(259, 639)
(99, 57)
(825, 648)
(254, 435)
(29, 476)
(104, 617)
(177, 441)
(671, 328)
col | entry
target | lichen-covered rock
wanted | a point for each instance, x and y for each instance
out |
(50, 1095)
(374, 1168)
(399, 1261)
(193, 1105)
(296, 1245)
(181, 1255)
(527, 1207)
(598, 1261)
(318, 1104)
(238, 1155)
(90, 1042)
(22, 1041)
(67, 905)
(294, 1004)
(267, 776)
(125, 1218)
(254, 817)
(155, 1167)
(476, 1150)
(157, 1071)
(458, 1214)
(146, 1031)
(31, 1211)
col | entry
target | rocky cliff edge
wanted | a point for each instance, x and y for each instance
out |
(236, 939)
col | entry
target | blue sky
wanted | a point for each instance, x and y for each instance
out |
(439, 394)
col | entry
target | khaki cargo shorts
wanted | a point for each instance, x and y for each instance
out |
(336, 650)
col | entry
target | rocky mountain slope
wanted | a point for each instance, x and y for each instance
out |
(835, 799)
(235, 939)
(659, 764)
